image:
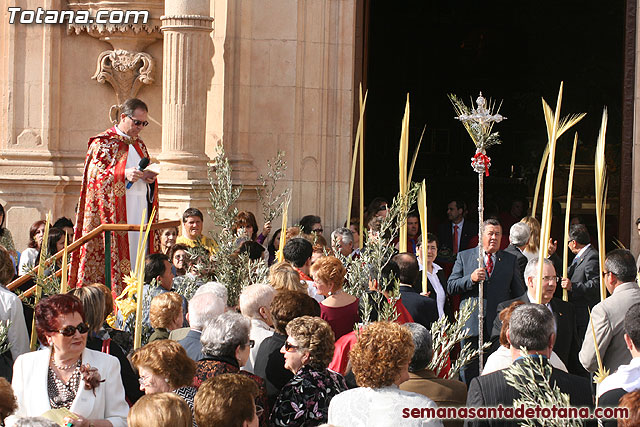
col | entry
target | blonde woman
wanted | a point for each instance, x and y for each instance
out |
(283, 276)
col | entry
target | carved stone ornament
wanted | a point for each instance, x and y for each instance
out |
(125, 71)
(144, 32)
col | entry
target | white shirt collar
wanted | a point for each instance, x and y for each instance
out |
(460, 224)
(119, 132)
(583, 249)
(532, 298)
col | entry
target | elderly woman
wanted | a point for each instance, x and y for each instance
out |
(160, 410)
(11, 310)
(168, 238)
(164, 366)
(67, 374)
(165, 315)
(380, 361)
(28, 256)
(304, 400)
(501, 358)
(93, 304)
(179, 259)
(226, 346)
(283, 276)
(255, 302)
(339, 308)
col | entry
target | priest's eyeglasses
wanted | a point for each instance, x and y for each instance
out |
(139, 122)
(551, 279)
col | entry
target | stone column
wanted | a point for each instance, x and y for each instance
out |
(187, 73)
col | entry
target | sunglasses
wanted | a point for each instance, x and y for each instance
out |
(251, 343)
(69, 331)
(317, 230)
(290, 347)
(139, 122)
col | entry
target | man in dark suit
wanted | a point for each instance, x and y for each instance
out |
(455, 234)
(422, 309)
(531, 327)
(567, 344)
(501, 282)
(518, 237)
(203, 307)
(423, 381)
(583, 282)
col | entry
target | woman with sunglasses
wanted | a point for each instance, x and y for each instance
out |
(226, 347)
(307, 352)
(67, 375)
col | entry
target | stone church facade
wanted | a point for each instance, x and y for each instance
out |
(258, 75)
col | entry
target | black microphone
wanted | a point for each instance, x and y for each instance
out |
(144, 162)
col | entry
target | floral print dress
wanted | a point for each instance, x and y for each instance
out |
(304, 401)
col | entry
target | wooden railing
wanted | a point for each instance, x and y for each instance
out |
(104, 228)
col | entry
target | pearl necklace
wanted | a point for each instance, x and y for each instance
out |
(65, 367)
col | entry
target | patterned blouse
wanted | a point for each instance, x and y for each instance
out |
(61, 394)
(304, 401)
(188, 394)
(210, 367)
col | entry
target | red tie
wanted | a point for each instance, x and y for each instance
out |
(489, 264)
(455, 239)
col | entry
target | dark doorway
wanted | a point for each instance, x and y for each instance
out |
(517, 52)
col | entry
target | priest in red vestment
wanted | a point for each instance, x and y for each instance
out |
(111, 163)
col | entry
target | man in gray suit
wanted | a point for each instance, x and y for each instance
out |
(502, 282)
(583, 282)
(203, 307)
(608, 316)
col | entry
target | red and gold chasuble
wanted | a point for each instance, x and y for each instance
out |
(103, 201)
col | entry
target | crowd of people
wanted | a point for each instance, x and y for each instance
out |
(294, 351)
(304, 348)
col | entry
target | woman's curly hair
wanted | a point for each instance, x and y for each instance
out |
(168, 359)
(164, 309)
(316, 336)
(381, 351)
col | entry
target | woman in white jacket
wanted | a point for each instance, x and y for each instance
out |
(66, 374)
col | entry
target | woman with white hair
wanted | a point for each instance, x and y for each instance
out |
(226, 346)
(255, 301)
